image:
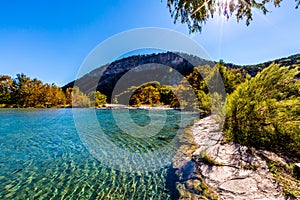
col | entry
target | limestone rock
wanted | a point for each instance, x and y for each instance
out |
(239, 174)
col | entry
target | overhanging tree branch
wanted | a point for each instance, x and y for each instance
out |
(195, 13)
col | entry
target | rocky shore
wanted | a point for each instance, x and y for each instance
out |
(211, 168)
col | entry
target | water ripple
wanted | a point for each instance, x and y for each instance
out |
(42, 157)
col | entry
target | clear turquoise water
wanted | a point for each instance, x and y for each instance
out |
(44, 157)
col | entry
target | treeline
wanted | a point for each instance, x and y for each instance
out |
(151, 94)
(23, 92)
(261, 111)
(155, 94)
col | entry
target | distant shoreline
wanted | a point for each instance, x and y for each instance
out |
(106, 106)
(142, 107)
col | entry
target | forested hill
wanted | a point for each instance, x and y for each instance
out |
(111, 73)
(183, 63)
(253, 69)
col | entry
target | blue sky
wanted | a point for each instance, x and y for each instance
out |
(50, 39)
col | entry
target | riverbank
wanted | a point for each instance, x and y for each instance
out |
(229, 170)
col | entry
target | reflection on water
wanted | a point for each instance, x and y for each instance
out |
(42, 156)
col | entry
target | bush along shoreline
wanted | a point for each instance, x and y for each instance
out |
(256, 153)
(264, 112)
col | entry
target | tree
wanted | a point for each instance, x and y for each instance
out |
(37, 93)
(6, 88)
(195, 13)
(206, 87)
(146, 95)
(166, 94)
(185, 97)
(79, 99)
(231, 77)
(97, 98)
(23, 93)
(196, 80)
(53, 96)
(68, 94)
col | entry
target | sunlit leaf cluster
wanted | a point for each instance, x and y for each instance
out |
(195, 13)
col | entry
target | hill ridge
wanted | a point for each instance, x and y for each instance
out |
(105, 77)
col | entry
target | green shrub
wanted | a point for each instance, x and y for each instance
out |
(97, 99)
(206, 159)
(264, 111)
